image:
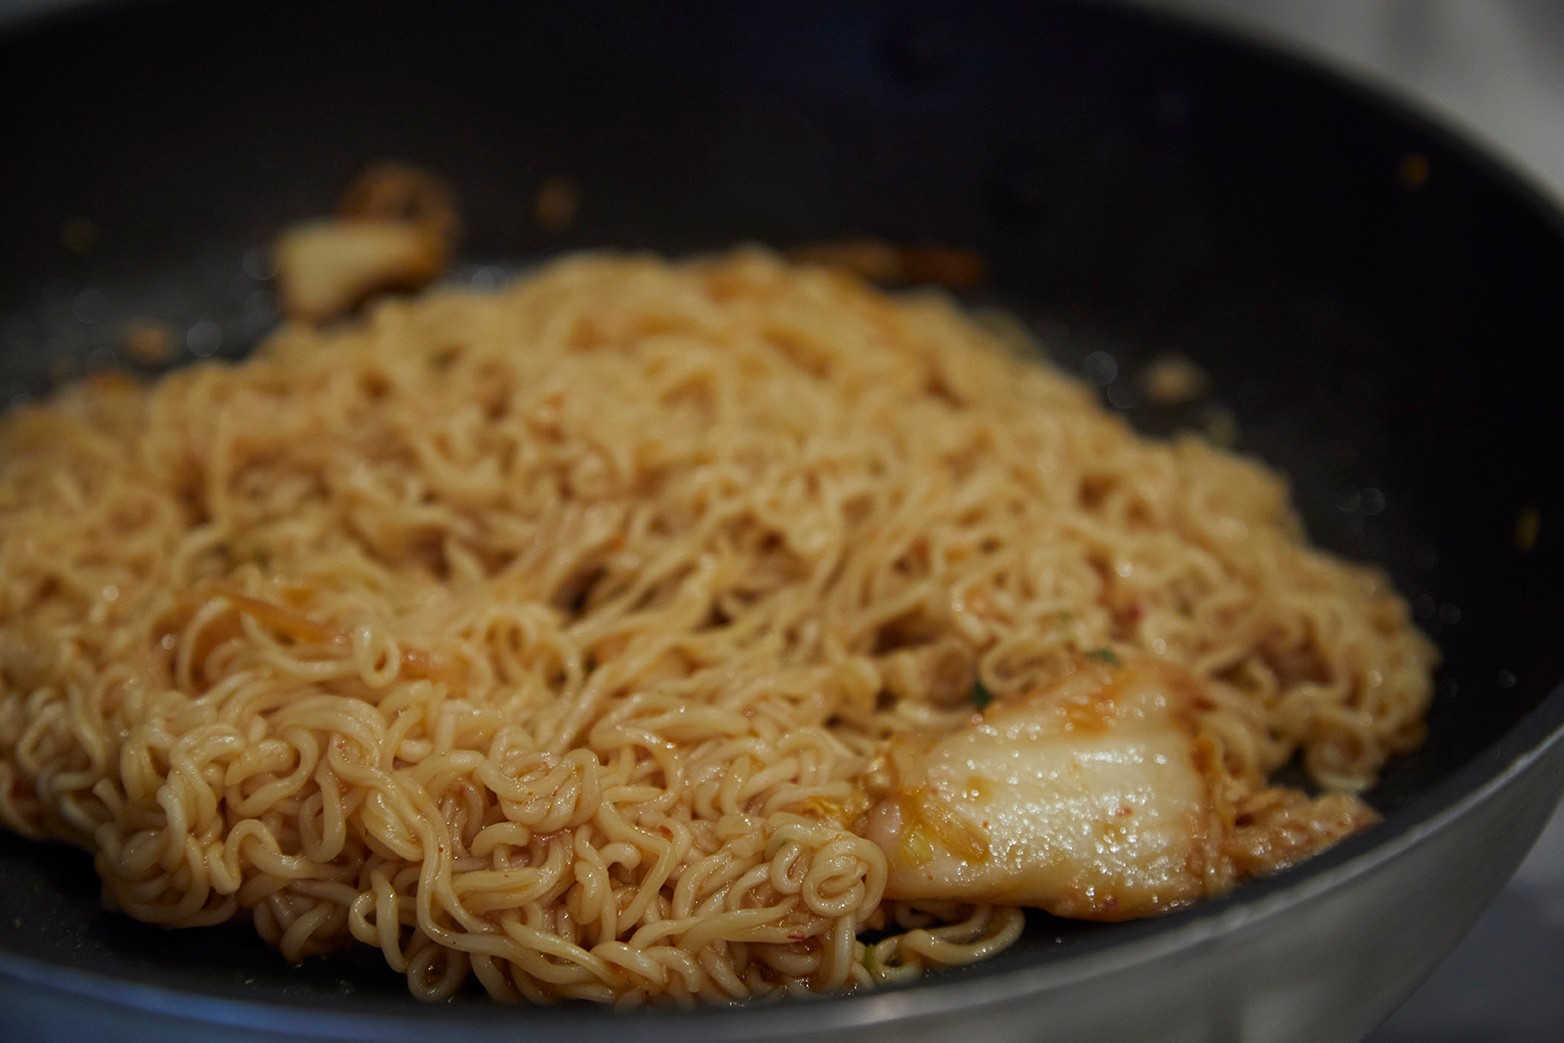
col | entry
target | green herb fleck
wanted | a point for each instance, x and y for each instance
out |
(1105, 655)
(981, 696)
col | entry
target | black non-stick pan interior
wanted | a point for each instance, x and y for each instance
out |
(1369, 296)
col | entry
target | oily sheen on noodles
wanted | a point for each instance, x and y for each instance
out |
(542, 637)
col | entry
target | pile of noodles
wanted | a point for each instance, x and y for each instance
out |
(523, 635)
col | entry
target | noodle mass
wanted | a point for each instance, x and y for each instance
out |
(555, 638)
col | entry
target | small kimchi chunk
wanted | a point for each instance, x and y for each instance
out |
(1096, 799)
(394, 230)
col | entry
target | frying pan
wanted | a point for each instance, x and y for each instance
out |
(1367, 293)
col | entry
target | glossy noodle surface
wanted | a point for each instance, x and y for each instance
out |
(609, 637)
